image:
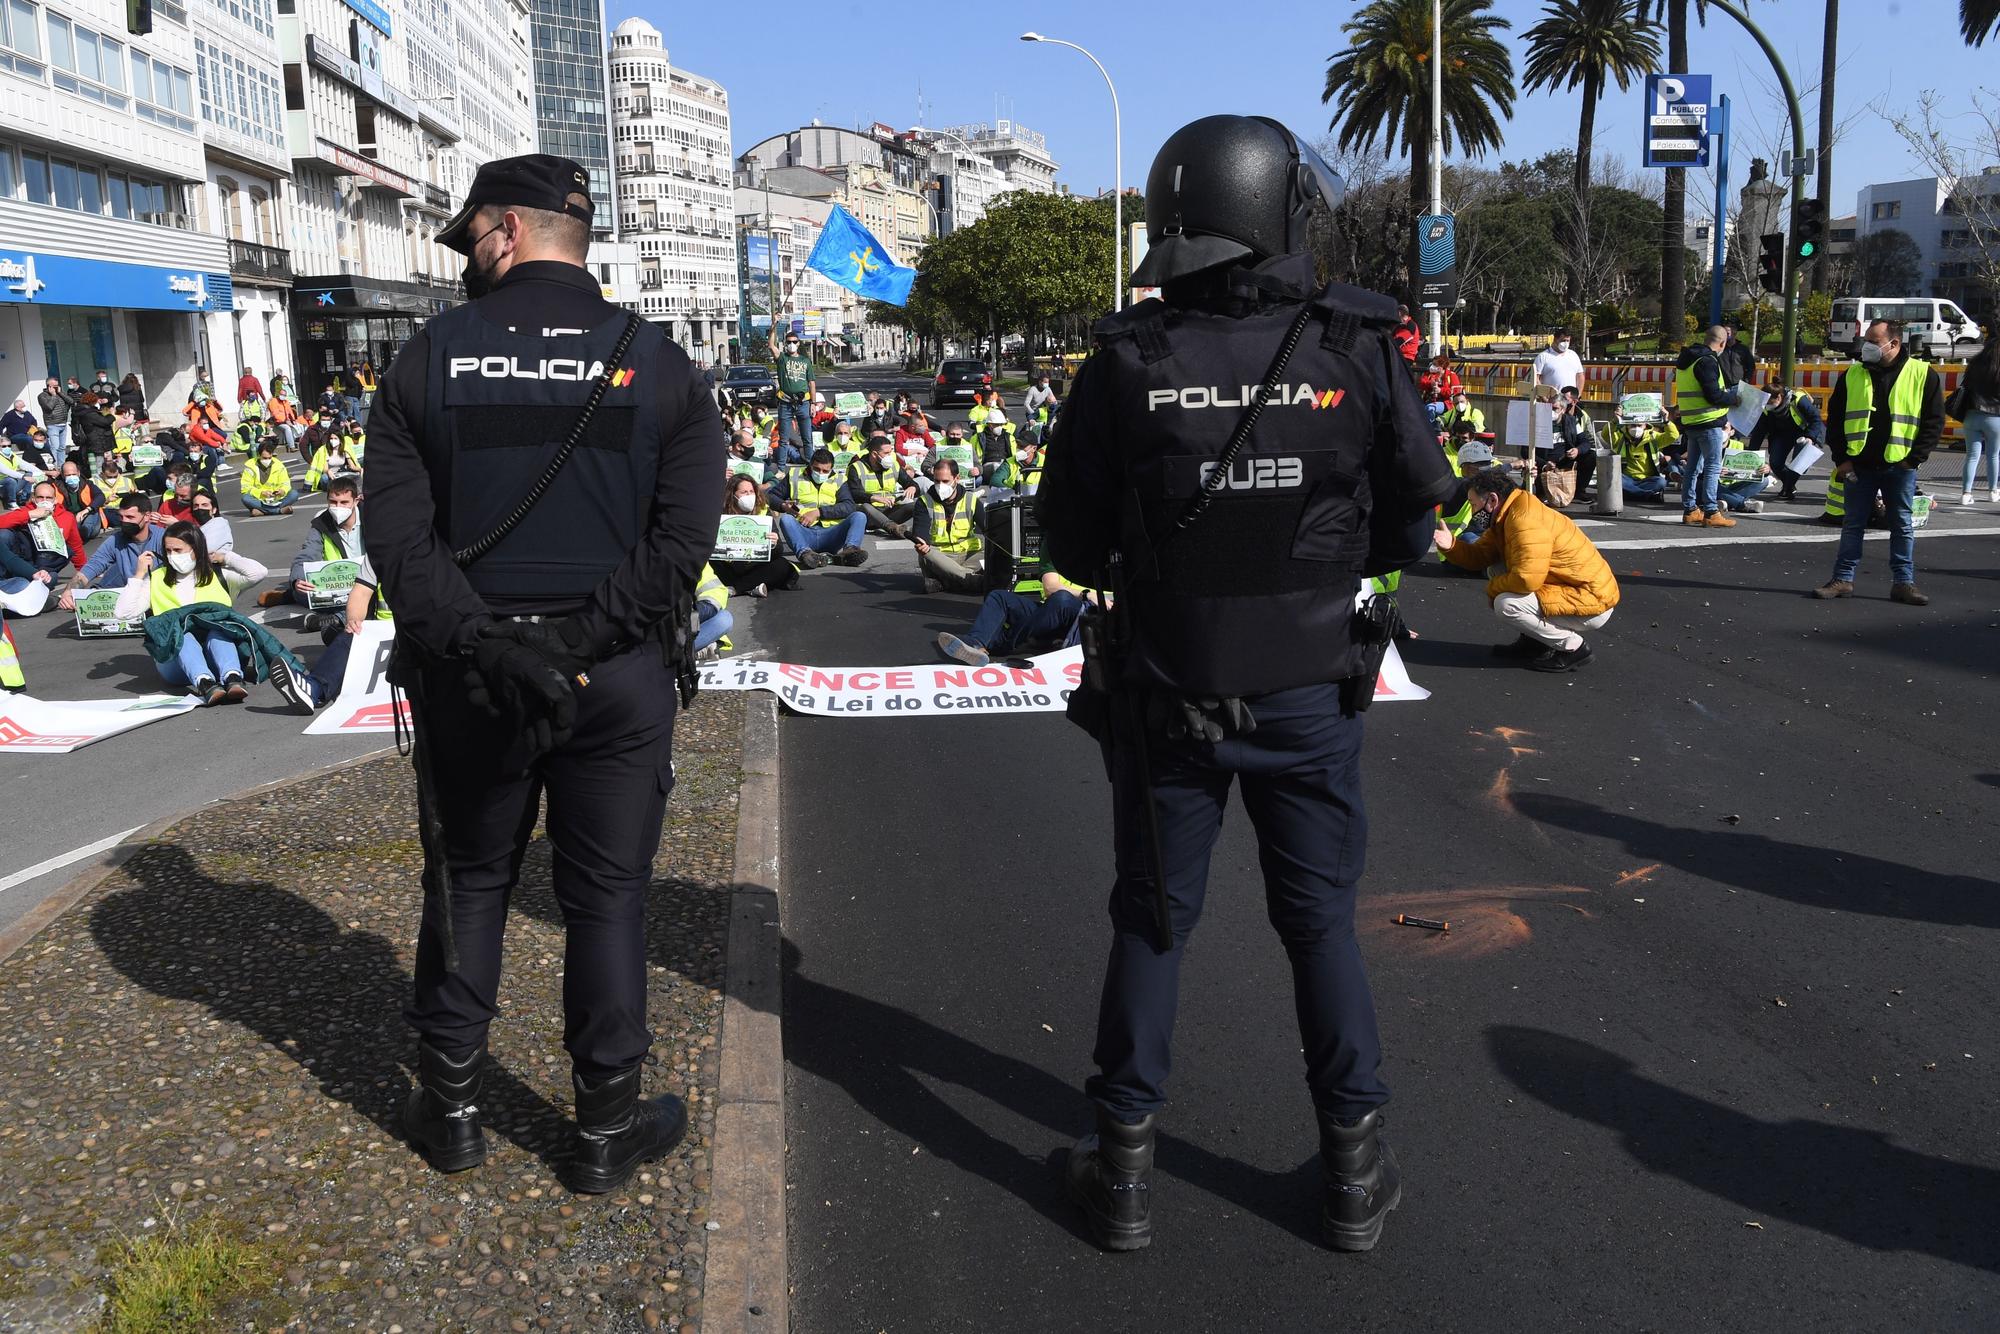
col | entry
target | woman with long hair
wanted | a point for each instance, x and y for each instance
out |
(744, 494)
(1981, 381)
(208, 665)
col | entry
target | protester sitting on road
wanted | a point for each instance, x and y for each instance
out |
(1461, 420)
(215, 529)
(83, 499)
(36, 541)
(877, 418)
(114, 481)
(1576, 442)
(947, 528)
(1743, 494)
(1642, 459)
(312, 690)
(1440, 384)
(17, 475)
(1012, 622)
(955, 436)
(844, 440)
(1789, 421)
(286, 420)
(208, 664)
(323, 431)
(17, 425)
(745, 495)
(117, 557)
(208, 442)
(266, 482)
(1020, 473)
(814, 519)
(1040, 402)
(334, 534)
(711, 607)
(178, 503)
(334, 459)
(879, 486)
(1544, 577)
(997, 443)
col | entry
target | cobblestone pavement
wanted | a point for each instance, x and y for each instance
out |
(216, 1031)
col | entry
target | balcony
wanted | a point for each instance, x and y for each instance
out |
(259, 263)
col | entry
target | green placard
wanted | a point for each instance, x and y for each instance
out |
(742, 537)
(331, 582)
(1740, 465)
(753, 468)
(843, 457)
(148, 456)
(1920, 510)
(850, 404)
(961, 455)
(97, 616)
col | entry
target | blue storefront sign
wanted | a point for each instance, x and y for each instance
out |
(58, 280)
(373, 12)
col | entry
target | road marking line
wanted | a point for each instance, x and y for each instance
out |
(57, 863)
(1829, 535)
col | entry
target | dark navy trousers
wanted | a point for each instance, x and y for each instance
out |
(607, 792)
(1300, 773)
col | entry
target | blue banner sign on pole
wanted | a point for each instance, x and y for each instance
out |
(1677, 120)
(1437, 261)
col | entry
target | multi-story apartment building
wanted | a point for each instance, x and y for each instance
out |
(1953, 223)
(391, 105)
(670, 143)
(1021, 154)
(886, 177)
(789, 206)
(573, 120)
(102, 261)
(966, 180)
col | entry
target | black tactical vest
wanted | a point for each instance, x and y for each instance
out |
(1258, 593)
(499, 404)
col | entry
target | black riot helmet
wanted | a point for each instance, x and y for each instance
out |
(1230, 188)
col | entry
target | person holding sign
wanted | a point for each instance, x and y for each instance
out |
(116, 561)
(266, 482)
(947, 529)
(36, 541)
(743, 496)
(881, 489)
(206, 663)
(817, 523)
(1792, 433)
(335, 534)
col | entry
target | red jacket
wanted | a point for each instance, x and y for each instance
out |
(203, 433)
(1407, 338)
(1443, 384)
(248, 386)
(64, 520)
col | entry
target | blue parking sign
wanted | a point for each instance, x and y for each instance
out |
(1677, 120)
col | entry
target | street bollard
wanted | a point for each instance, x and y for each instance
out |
(1609, 498)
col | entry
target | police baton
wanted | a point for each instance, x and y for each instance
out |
(430, 827)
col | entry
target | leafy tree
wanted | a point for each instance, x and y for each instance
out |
(1588, 43)
(1888, 263)
(1382, 84)
(1977, 19)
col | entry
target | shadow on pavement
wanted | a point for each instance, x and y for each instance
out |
(270, 962)
(133, 673)
(1847, 1183)
(885, 1059)
(1842, 880)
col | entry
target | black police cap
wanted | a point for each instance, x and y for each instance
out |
(533, 180)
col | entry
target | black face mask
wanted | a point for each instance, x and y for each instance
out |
(130, 530)
(478, 282)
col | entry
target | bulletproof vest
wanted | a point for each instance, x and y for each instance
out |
(499, 406)
(1257, 594)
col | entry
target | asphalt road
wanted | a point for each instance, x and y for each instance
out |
(57, 804)
(1710, 1044)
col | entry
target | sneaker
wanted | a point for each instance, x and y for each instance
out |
(1718, 520)
(1908, 595)
(850, 556)
(811, 560)
(233, 689)
(970, 654)
(1965, 499)
(1834, 588)
(1562, 660)
(1753, 507)
(1691, 517)
(1994, 495)
(1788, 494)
(295, 691)
(1525, 646)
(212, 695)
(761, 591)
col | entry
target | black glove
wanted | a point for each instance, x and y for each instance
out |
(559, 642)
(509, 679)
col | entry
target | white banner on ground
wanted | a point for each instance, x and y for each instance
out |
(364, 704)
(1040, 684)
(56, 727)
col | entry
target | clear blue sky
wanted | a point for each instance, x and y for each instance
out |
(849, 63)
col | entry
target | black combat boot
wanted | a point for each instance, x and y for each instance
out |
(1107, 1179)
(616, 1130)
(1363, 1182)
(442, 1116)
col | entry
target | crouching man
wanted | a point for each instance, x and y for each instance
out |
(1544, 577)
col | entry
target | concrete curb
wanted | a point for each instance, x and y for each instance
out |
(93, 873)
(745, 1287)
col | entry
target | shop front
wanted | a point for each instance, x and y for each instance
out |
(344, 320)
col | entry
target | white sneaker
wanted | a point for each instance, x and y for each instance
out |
(1994, 495)
(1965, 499)
(1753, 507)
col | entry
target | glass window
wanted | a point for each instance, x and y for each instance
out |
(113, 62)
(23, 33)
(66, 187)
(142, 77)
(59, 45)
(87, 57)
(35, 171)
(183, 93)
(7, 173)
(91, 190)
(121, 197)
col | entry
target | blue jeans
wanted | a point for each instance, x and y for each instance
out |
(1652, 486)
(715, 623)
(1736, 493)
(1704, 469)
(1897, 486)
(1008, 621)
(832, 537)
(1982, 432)
(58, 439)
(269, 506)
(15, 491)
(795, 422)
(198, 661)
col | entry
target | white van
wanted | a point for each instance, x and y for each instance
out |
(1937, 329)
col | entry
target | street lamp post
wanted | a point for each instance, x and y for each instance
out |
(1117, 172)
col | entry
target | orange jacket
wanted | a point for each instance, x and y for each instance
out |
(1543, 553)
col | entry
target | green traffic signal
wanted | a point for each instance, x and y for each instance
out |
(1806, 249)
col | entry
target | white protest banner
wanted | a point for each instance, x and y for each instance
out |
(1529, 424)
(56, 727)
(1749, 407)
(1040, 684)
(364, 704)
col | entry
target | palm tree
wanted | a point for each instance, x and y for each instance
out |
(1977, 19)
(1673, 202)
(1591, 43)
(1828, 57)
(1381, 86)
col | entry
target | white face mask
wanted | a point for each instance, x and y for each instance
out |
(747, 503)
(182, 561)
(1563, 346)
(1872, 353)
(340, 514)
(946, 490)
(43, 508)
(1636, 432)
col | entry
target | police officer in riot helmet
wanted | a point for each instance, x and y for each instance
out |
(1230, 463)
(541, 477)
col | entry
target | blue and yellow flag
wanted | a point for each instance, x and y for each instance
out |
(857, 261)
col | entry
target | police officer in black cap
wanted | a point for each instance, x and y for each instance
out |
(541, 477)
(1229, 464)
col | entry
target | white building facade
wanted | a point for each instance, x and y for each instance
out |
(102, 261)
(1948, 224)
(671, 149)
(1020, 154)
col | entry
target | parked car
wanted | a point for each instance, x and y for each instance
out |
(1934, 328)
(957, 381)
(752, 384)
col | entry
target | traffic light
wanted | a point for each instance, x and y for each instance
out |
(1808, 229)
(138, 17)
(1771, 263)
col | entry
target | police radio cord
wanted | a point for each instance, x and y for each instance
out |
(1245, 424)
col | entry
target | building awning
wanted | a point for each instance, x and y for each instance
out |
(348, 294)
